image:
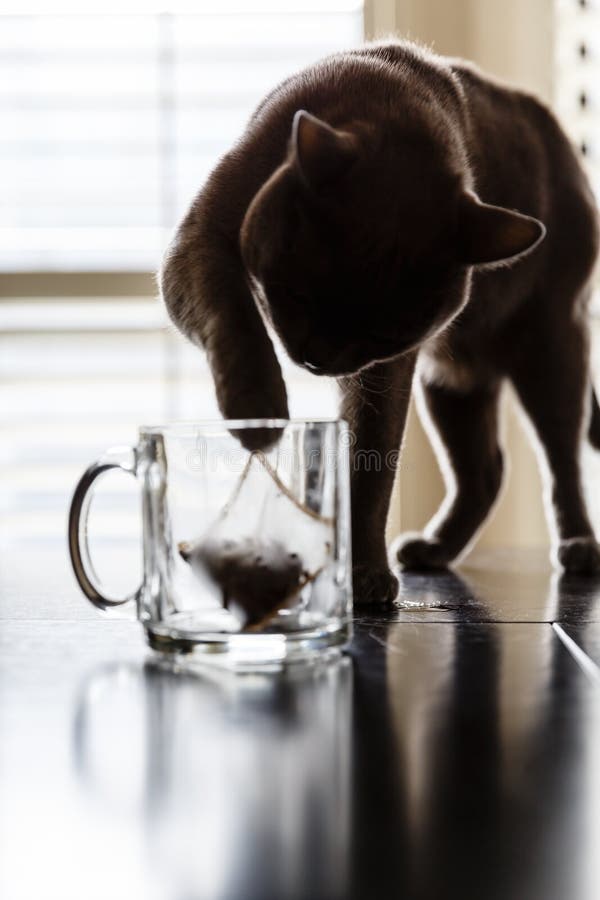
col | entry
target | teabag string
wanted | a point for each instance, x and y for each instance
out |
(264, 546)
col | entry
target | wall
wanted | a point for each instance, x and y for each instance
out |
(512, 40)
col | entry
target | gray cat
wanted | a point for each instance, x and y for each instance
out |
(369, 214)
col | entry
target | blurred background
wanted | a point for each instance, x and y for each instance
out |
(112, 118)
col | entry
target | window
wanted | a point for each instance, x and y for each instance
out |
(112, 121)
(577, 102)
(110, 124)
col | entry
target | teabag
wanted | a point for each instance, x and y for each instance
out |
(264, 547)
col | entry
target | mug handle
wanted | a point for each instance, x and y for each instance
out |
(124, 458)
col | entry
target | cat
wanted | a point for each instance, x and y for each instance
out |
(393, 214)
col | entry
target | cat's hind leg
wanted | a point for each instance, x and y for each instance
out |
(552, 380)
(466, 443)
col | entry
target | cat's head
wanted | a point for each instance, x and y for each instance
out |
(360, 246)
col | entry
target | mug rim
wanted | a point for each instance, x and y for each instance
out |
(223, 425)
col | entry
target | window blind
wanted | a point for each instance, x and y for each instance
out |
(577, 74)
(112, 121)
(110, 124)
(577, 104)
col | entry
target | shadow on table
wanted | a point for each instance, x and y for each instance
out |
(477, 761)
(520, 589)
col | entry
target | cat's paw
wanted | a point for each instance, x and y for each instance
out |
(580, 555)
(257, 439)
(419, 553)
(266, 404)
(373, 585)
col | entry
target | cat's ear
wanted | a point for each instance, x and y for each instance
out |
(320, 153)
(491, 234)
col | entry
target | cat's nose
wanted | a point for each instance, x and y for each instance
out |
(316, 355)
(312, 367)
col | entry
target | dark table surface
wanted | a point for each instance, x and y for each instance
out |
(454, 752)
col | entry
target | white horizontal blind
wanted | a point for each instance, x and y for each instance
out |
(577, 104)
(78, 376)
(577, 77)
(111, 122)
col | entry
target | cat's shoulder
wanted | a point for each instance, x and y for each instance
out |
(408, 57)
(479, 85)
(416, 68)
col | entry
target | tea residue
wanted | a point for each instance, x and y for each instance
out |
(241, 553)
(255, 578)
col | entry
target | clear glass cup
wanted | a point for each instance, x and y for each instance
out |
(246, 551)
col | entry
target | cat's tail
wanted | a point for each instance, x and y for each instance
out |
(594, 429)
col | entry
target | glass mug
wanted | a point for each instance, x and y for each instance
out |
(246, 553)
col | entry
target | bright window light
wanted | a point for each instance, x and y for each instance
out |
(112, 120)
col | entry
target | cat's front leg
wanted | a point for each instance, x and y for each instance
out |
(374, 404)
(206, 293)
(248, 379)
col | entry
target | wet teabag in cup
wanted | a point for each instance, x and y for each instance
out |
(263, 549)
